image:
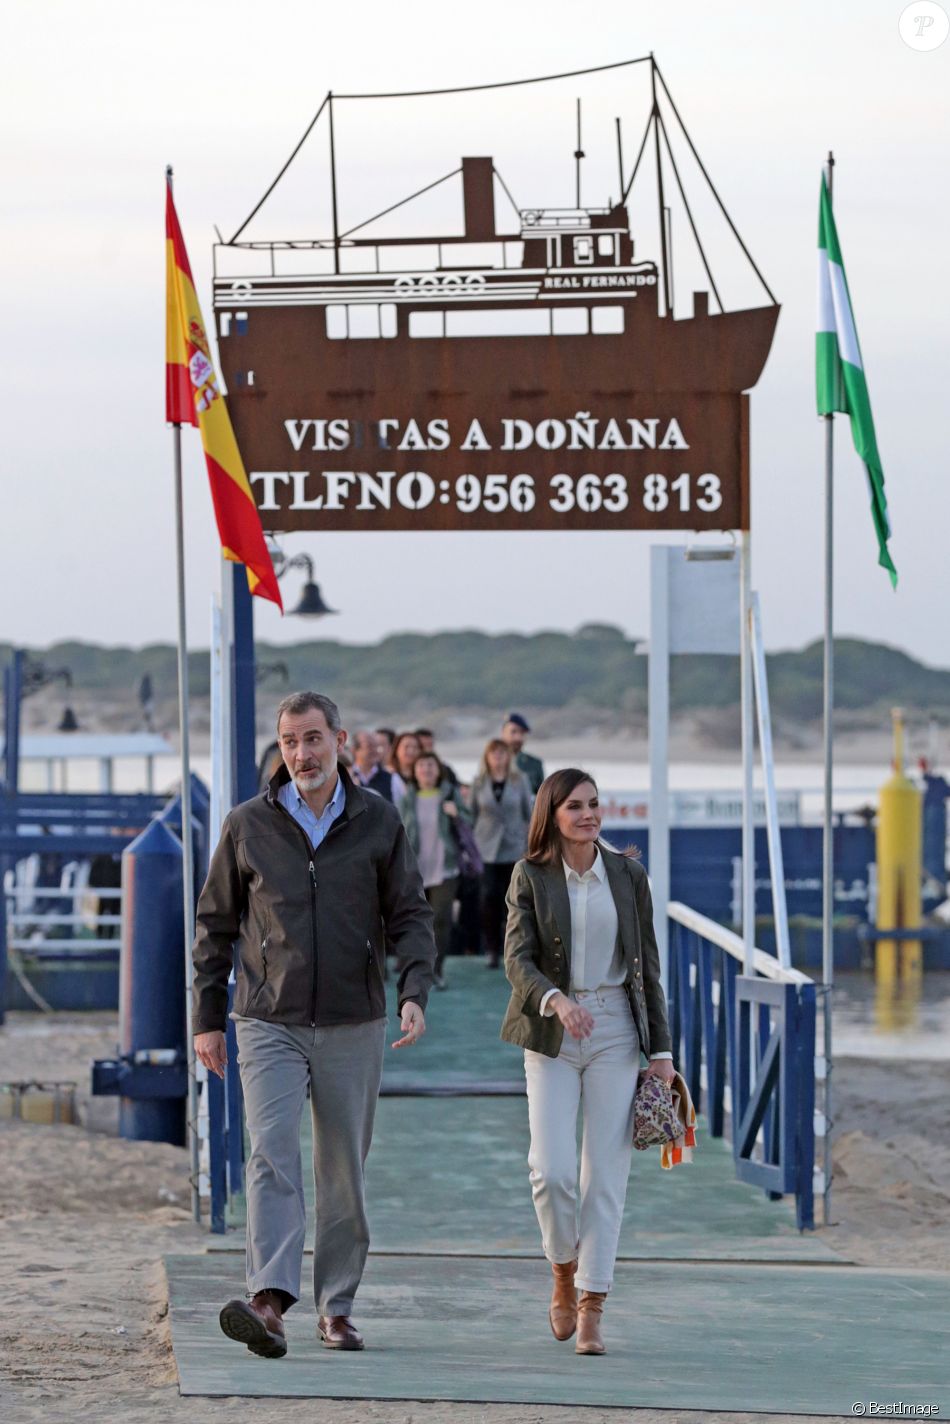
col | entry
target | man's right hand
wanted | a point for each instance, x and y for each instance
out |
(578, 1022)
(210, 1049)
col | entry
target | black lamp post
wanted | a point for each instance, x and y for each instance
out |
(311, 603)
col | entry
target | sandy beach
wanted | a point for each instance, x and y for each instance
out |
(87, 1217)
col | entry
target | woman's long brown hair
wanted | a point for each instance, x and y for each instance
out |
(544, 838)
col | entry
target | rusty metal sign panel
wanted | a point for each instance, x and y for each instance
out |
(484, 381)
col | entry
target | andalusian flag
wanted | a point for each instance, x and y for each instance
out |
(192, 397)
(840, 370)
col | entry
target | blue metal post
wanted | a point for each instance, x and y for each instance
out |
(217, 1152)
(936, 792)
(171, 816)
(152, 978)
(243, 689)
(234, 1102)
(12, 698)
(805, 1153)
(3, 947)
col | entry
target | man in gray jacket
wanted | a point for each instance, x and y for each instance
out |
(310, 881)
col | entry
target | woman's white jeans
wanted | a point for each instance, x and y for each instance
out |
(600, 1071)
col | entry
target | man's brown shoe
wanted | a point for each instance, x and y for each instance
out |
(563, 1311)
(339, 1333)
(256, 1323)
(590, 1308)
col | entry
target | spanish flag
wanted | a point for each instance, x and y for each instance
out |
(193, 397)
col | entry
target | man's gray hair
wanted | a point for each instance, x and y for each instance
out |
(299, 702)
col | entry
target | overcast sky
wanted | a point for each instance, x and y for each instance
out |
(98, 96)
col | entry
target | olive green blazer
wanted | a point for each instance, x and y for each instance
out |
(538, 952)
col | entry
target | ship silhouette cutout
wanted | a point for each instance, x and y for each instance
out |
(331, 346)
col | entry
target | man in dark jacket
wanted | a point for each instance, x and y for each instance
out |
(369, 772)
(311, 880)
(514, 731)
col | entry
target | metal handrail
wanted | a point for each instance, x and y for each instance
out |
(40, 945)
(765, 964)
(53, 892)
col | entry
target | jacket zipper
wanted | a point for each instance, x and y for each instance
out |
(313, 946)
(313, 900)
(369, 970)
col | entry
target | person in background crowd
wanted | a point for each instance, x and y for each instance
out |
(367, 768)
(386, 738)
(405, 750)
(501, 808)
(428, 809)
(426, 740)
(386, 741)
(513, 733)
(269, 763)
(584, 969)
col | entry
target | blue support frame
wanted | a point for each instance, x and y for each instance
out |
(226, 1130)
(777, 1093)
(217, 1153)
(234, 1110)
(225, 1100)
(771, 1073)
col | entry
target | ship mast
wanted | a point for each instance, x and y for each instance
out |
(664, 254)
(578, 155)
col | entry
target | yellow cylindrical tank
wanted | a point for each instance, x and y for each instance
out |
(899, 868)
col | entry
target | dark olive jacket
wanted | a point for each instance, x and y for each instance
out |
(310, 926)
(538, 952)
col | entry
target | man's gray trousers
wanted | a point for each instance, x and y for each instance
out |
(343, 1066)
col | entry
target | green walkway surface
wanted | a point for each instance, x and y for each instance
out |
(461, 1044)
(449, 1176)
(794, 1339)
(719, 1303)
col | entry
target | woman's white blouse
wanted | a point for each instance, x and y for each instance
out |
(596, 956)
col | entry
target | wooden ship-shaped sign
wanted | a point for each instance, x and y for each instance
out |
(527, 377)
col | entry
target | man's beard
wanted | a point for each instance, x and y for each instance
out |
(313, 780)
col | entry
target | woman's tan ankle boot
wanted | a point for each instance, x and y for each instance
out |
(563, 1312)
(590, 1308)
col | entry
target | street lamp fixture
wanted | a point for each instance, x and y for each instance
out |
(311, 603)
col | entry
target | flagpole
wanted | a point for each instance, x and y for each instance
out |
(187, 838)
(828, 868)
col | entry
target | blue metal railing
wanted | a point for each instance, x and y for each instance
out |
(746, 1043)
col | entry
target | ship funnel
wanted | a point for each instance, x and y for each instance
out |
(478, 188)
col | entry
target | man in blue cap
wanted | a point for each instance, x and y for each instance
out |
(514, 732)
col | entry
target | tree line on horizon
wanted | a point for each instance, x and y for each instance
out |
(597, 666)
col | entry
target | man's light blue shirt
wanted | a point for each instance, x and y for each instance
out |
(316, 827)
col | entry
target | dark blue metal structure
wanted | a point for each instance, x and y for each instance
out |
(59, 828)
(713, 1012)
(151, 1074)
(225, 1103)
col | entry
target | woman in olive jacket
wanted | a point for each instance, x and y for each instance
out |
(586, 1001)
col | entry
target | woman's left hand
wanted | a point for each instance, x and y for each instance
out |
(661, 1068)
(450, 808)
